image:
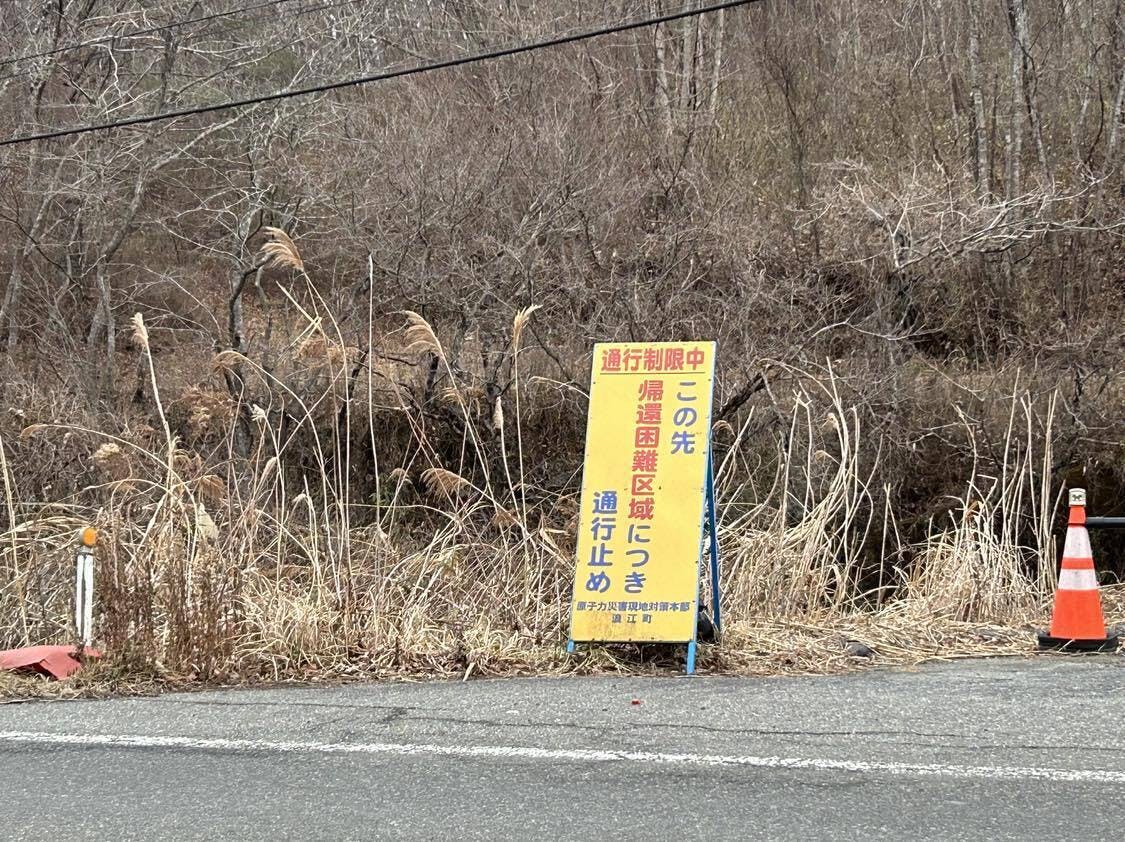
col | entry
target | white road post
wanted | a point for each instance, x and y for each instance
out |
(84, 587)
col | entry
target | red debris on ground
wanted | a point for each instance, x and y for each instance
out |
(56, 661)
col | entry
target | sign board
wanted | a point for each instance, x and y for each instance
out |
(645, 488)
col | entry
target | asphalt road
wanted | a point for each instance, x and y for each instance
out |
(1003, 749)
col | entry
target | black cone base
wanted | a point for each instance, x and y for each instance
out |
(1107, 644)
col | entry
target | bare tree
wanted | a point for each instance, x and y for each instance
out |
(982, 162)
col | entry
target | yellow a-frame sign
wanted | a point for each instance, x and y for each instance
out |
(647, 491)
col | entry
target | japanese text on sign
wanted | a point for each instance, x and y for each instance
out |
(643, 492)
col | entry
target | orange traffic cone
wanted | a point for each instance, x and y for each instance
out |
(1077, 622)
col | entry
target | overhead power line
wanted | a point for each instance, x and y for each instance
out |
(152, 30)
(412, 70)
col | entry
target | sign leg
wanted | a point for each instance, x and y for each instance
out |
(690, 666)
(570, 647)
(713, 520)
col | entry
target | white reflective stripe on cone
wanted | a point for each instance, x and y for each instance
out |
(1077, 543)
(1078, 580)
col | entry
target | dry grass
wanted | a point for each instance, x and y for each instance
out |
(280, 250)
(224, 568)
(254, 602)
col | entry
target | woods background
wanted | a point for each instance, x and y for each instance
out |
(901, 220)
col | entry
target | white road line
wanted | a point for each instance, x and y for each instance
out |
(570, 755)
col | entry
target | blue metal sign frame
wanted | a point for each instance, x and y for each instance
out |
(712, 528)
